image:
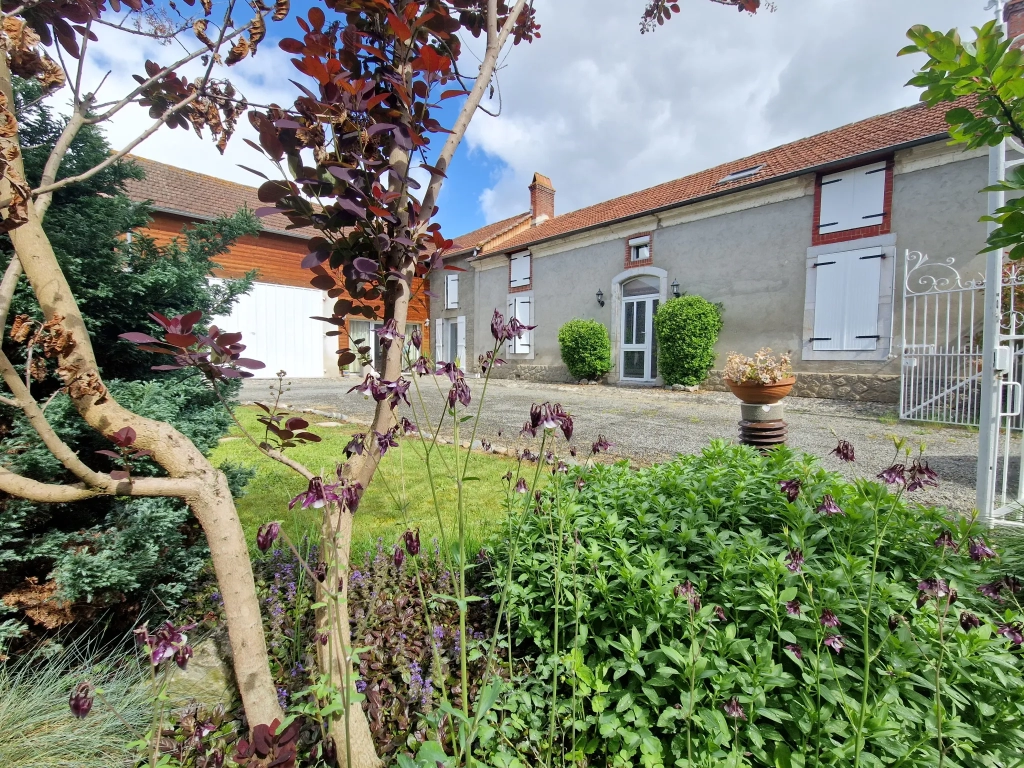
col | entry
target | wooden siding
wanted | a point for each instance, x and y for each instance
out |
(277, 259)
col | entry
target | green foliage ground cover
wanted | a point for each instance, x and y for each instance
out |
(691, 616)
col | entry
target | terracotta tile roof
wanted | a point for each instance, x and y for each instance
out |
(876, 134)
(479, 238)
(188, 193)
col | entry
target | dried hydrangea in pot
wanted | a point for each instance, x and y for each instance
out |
(763, 379)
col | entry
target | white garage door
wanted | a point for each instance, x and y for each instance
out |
(276, 329)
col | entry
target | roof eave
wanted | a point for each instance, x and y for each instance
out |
(864, 156)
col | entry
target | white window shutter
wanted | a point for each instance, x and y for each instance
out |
(438, 331)
(511, 343)
(869, 195)
(837, 210)
(461, 331)
(519, 270)
(451, 284)
(524, 313)
(846, 300)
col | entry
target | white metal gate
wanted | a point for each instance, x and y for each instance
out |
(942, 342)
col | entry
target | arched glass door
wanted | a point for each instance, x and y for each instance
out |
(639, 352)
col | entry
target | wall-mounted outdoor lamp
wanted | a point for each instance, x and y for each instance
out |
(675, 288)
(600, 298)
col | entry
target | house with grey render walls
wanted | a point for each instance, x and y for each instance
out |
(804, 246)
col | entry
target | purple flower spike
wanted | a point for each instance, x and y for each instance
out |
(844, 451)
(980, 550)
(829, 619)
(829, 507)
(945, 541)
(267, 535)
(734, 709)
(81, 700)
(794, 560)
(791, 488)
(835, 642)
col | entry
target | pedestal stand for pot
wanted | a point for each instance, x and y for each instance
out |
(762, 426)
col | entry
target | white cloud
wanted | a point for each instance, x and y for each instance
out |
(604, 111)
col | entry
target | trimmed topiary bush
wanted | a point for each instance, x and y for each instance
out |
(586, 348)
(687, 329)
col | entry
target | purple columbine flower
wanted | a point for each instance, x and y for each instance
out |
(416, 338)
(829, 507)
(580, 482)
(979, 550)
(992, 589)
(81, 700)
(489, 360)
(687, 590)
(399, 557)
(720, 613)
(734, 709)
(969, 621)
(421, 367)
(168, 642)
(267, 535)
(316, 495)
(793, 608)
(385, 440)
(945, 541)
(516, 329)
(895, 619)
(795, 649)
(459, 393)
(829, 619)
(521, 486)
(397, 390)
(835, 642)
(1013, 632)
(388, 333)
(1012, 583)
(600, 445)
(370, 387)
(844, 450)
(498, 327)
(894, 475)
(451, 370)
(412, 541)
(407, 427)
(356, 444)
(920, 475)
(561, 468)
(794, 560)
(791, 488)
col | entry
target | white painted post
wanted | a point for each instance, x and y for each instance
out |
(988, 426)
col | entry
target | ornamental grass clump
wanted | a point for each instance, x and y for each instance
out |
(748, 609)
(762, 368)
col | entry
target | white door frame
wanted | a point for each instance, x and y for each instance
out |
(617, 312)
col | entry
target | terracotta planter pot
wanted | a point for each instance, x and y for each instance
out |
(761, 394)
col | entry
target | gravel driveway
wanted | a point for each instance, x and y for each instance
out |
(648, 425)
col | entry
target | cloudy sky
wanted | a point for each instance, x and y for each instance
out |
(603, 110)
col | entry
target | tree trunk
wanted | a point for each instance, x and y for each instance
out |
(352, 738)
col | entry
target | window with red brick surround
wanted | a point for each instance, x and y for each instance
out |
(520, 288)
(629, 263)
(852, 234)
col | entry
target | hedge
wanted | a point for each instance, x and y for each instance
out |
(586, 348)
(687, 329)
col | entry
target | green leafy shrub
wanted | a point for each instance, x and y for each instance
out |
(704, 619)
(586, 348)
(687, 329)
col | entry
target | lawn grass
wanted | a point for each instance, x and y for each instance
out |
(395, 501)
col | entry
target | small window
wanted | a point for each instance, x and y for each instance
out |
(640, 248)
(519, 270)
(852, 199)
(451, 291)
(743, 174)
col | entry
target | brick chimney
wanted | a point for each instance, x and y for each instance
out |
(542, 198)
(1013, 15)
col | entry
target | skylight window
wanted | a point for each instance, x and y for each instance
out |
(745, 173)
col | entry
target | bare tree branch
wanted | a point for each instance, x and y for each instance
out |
(7, 286)
(33, 490)
(56, 157)
(113, 158)
(173, 33)
(7, 401)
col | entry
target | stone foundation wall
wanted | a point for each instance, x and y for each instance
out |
(548, 374)
(876, 388)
